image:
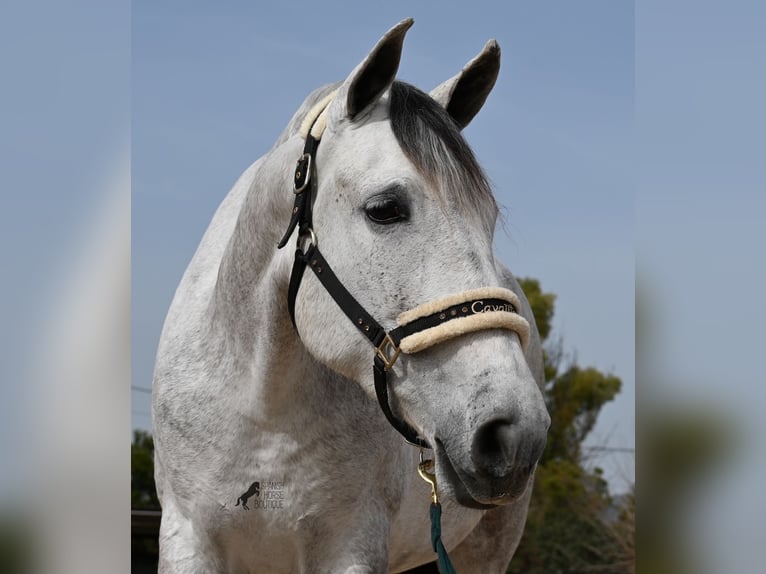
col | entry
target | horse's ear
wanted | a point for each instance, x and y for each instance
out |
(463, 95)
(370, 79)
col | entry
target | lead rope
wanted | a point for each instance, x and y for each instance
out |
(427, 473)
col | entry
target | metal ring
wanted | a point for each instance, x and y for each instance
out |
(311, 237)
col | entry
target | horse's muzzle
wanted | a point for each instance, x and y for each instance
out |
(499, 465)
(500, 449)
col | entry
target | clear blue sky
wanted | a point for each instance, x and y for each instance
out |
(213, 85)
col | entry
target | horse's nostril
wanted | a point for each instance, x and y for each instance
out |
(494, 446)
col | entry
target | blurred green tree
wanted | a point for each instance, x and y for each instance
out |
(573, 525)
(143, 494)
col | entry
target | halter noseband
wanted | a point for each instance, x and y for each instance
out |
(418, 328)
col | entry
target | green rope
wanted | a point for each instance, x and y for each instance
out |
(445, 566)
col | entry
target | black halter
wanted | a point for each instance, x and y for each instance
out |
(386, 343)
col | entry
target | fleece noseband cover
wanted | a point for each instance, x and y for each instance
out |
(459, 314)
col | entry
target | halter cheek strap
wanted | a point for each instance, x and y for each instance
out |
(417, 329)
(311, 131)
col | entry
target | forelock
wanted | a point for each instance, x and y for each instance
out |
(432, 141)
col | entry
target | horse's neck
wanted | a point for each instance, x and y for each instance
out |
(263, 217)
(251, 258)
(248, 309)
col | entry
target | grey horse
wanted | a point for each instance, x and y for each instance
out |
(405, 215)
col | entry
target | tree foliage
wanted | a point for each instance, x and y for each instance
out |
(573, 525)
(542, 305)
(574, 400)
(142, 490)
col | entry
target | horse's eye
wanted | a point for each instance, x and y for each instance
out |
(385, 211)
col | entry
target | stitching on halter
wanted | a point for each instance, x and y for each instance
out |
(316, 118)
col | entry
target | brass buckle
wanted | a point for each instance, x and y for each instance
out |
(307, 166)
(427, 471)
(383, 352)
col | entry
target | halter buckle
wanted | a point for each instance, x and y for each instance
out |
(302, 173)
(388, 352)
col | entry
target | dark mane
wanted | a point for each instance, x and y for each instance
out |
(432, 141)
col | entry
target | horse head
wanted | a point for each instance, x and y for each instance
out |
(405, 215)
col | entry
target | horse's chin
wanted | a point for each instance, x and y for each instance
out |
(452, 484)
